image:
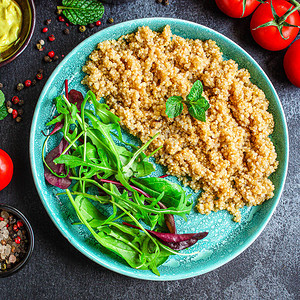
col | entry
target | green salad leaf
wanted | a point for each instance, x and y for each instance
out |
(82, 12)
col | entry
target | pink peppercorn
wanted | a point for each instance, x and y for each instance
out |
(98, 23)
(51, 54)
(28, 83)
(45, 29)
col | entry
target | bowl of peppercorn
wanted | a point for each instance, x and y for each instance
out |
(17, 23)
(16, 240)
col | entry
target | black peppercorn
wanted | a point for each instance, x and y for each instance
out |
(66, 31)
(91, 25)
(8, 104)
(20, 111)
(40, 71)
(18, 119)
(47, 58)
(21, 102)
(33, 82)
(55, 57)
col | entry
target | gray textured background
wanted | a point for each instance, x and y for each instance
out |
(268, 269)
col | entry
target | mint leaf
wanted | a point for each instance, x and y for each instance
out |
(3, 112)
(2, 98)
(202, 102)
(174, 106)
(195, 92)
(197, 112)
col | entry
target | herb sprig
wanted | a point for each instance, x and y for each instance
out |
(82, 12)
(197, 105)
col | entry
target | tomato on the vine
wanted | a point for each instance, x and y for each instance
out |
(234, 8)
(275, 30)
(291, 63)
(6, 169)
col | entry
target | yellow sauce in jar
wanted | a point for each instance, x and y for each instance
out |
(10, 23)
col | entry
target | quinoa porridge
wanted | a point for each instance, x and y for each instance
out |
(230, 156)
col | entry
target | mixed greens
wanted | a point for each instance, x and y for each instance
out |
(104, 179)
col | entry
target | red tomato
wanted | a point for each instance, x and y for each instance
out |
(291, 63)
(269, 37)
(6, 169)
(234, 8)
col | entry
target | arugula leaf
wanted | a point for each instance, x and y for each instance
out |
(174, 106)
(82, 12)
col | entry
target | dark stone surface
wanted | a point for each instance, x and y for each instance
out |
(268, 269)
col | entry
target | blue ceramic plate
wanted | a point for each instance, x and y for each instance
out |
(226, 238)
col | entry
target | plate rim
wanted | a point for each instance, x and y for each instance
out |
(101, 261)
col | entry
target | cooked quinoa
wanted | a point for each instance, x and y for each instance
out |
(230, 156)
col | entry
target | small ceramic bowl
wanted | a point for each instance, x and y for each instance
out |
(28, 12)
(30, 237)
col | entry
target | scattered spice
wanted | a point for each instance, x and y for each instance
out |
(42, 42)
(51, 38)
(55, 58)
(61, 19)
(21, 102)
(158, 1)
(20, 86)
(8, 105)
(67, 24)
(42, 49)
(45, 29)
(47, 22)
(51, 54)
(59, 11)
(166, 2)
(92, 25)
(82, 28)
(14, 113)
(1, 85)
(15, 99)
(39, 46)
(20, 113)
(10, 110)
(39, 76)
(33, 82)
(98, 23)
(47, 58)
(27, 83)
(18, 119)
(66, 31)
(110, 20)
(40, 71)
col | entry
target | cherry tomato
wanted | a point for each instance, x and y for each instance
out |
(6, 169)
(234, 8)
(291, 63)
(269, 37)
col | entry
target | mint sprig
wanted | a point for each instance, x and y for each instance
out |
(197, 105)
